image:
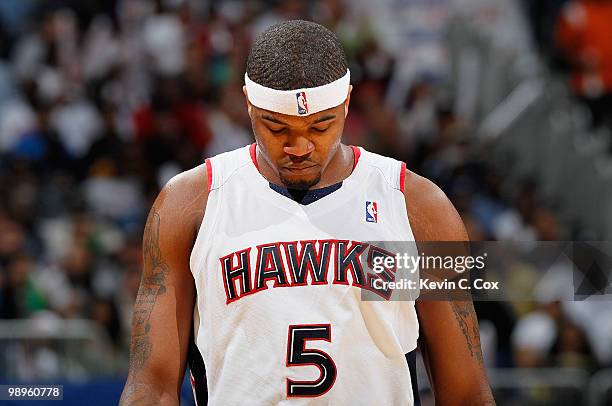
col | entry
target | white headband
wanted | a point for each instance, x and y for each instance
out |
(298, 102)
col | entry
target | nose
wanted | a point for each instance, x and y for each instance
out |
(299, 147)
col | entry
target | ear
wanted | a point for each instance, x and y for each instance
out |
(248, 103)
(347, 101)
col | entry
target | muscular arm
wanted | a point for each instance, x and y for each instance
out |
(450, 341)
(162, 317)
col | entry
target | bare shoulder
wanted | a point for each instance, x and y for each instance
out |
(432, 215)
(183, 199)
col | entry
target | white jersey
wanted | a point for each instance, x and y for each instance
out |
(279, 315)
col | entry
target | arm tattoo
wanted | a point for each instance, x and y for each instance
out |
(466, 317)
(137, 394)
(152, 285)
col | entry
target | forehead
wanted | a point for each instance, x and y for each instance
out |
(297, 121)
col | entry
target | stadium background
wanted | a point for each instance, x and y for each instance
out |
(503, 103)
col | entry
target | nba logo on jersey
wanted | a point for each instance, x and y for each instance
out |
(302, 104)
(371, 212)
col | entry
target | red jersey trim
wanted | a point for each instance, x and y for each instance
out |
(402, 177)
(209, 173)
(356, 154)
(253, 152)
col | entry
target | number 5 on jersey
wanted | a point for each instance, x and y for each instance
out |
(299, 355)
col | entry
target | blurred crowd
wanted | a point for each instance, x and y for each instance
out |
(574, 35)
(103, 101)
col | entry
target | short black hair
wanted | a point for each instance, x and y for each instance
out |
(296, 54)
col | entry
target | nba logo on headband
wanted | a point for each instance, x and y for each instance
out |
(302, 104)
(294, 101)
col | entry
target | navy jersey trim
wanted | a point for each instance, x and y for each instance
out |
(411, 360)
(308, 196)
(197, 370)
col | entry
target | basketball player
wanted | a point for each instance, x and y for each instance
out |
(252, 268)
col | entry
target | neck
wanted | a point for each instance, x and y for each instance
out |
(339, 168)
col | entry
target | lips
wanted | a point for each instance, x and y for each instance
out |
(299, 169)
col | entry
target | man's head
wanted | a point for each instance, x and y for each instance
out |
(292, 56)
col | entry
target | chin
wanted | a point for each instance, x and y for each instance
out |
(300, 183)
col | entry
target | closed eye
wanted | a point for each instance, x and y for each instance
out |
(321, 130)
(277, 131)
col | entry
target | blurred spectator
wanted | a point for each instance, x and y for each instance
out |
(12, 238)
(164, 41)
(21, 295)
(534, 335)
(572, 349)
(104, 312)
(583, 34)
(229, 123)
(595, 319)
(16, 118)
(543, 16)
